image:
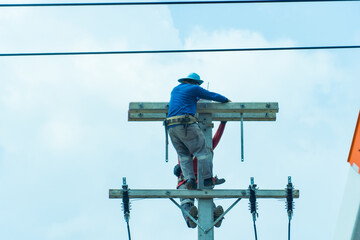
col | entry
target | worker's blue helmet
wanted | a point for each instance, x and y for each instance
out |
(192, 77)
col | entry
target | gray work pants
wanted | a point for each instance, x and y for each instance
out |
(191, 141)
(185, 203)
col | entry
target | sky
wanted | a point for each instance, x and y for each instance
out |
(65, 139)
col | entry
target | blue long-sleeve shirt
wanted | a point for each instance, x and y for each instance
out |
(185, 96)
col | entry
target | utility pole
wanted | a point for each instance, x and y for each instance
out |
(205, 206)
(207, 112)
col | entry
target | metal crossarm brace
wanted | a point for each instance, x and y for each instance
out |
(222, 215)
(216, 221)
(188, 214)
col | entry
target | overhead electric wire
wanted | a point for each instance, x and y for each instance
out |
(178, 51)
(289, 229)
(128, 229)
(162, 3)
(255, 232)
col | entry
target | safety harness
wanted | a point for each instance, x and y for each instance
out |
(182, 119)
(185, 120)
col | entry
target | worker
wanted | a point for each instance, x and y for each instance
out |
(187, 204)
(186, 135)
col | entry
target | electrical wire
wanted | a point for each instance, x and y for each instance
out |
(128, 229)
(178, 51)
(255, 232)
(163, 3)
(289, 229)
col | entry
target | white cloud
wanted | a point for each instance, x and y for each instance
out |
(62, 135)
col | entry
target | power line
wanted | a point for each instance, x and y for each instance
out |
(163, 3)
(178, 51)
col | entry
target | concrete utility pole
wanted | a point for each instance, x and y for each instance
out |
(207, 113)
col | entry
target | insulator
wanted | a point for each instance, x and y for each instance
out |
(126, 202)
(126, 207)
(253, 205)
(289, 198)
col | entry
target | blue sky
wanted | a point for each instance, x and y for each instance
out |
(306, 23)
(65, 139)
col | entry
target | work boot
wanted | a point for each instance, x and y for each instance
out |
(213, 181)
(217, 213)
(194, 213)
(190, 184)
(177, 170)
(218, 181)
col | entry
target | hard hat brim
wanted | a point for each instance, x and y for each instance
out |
(181, 80)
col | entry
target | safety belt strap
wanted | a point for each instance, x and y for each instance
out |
(182, 119)
(166, 143)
